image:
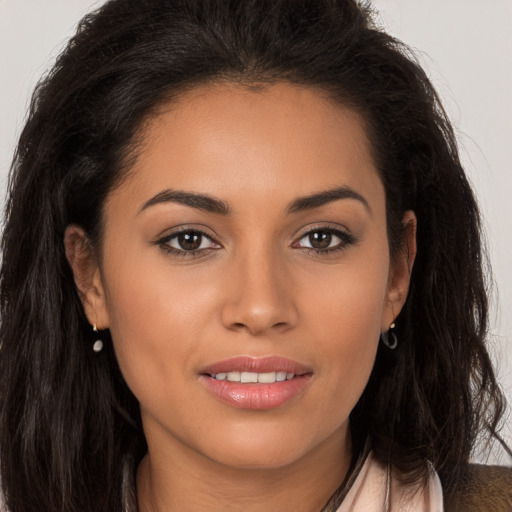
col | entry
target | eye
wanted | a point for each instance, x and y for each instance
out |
(323, 240)
(187, 241)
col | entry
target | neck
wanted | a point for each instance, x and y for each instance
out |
(201, 484)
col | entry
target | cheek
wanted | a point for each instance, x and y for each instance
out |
(345, 319)
(150, 328)
(159, 316)
(349, 299)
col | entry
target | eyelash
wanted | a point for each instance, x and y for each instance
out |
(182, 253)
(345, 238)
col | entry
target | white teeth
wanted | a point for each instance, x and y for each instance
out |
(267, 378)
(254, 377)
(248, 377)
(233, 376)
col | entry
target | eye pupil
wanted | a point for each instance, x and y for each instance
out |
(320, 239)
(189, 241)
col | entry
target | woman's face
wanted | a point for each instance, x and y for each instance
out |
(248, 242)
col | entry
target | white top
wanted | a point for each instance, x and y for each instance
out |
(377, 490)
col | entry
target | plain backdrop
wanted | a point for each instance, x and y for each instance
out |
(466, 46)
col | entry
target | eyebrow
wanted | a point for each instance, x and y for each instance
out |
(219, 207)
(199, 201)
(321, 198)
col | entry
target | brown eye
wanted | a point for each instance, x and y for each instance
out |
(189, 241)
(324, 240)
(320, 239)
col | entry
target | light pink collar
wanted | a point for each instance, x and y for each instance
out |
(377, 490)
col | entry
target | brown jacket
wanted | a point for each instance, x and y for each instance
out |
(481, 489)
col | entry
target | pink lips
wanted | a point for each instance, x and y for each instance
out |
(256, 395)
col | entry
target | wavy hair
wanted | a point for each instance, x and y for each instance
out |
(67, 418)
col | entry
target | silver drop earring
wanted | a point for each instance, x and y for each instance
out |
(385, 336)
(98, 344)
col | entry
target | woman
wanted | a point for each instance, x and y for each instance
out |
(254, 276)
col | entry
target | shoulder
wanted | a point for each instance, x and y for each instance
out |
(481, 488)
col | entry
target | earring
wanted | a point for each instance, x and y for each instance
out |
(393, 343)
(98, 344)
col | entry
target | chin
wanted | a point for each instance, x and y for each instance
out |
(261, 449)
(255, 451)
(253, 459)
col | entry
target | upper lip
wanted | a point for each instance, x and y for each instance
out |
(256, 364)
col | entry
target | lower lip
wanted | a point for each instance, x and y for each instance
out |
(256, 396)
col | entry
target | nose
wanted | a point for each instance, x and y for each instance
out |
(259, 295)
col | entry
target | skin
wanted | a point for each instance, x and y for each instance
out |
(257, 289)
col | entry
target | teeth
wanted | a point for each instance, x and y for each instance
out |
(233, 376)
(248, 377)
(267, 378)
(254, 377)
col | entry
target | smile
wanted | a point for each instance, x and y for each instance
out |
(247, 382)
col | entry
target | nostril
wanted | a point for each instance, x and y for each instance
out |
(238, 326)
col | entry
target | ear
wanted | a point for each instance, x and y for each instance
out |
(86, 272)
(400, 271)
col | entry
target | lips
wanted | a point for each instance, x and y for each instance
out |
(257, 365)
(256, 383)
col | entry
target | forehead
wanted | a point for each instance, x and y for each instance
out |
(277, 141)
